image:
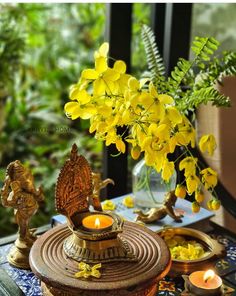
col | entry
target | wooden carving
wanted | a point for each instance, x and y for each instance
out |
(74, 185)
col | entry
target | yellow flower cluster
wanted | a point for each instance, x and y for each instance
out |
(110, 98)
(128, 201)
(108, 205)
(182, 249)
(86, 270)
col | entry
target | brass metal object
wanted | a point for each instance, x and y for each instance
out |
(20, 193)
(155, 214)
(188, 291)
(98, 184)
(77, 188)
(215, 249)
(95, 247)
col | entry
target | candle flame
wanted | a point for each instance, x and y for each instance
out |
(97, 223)
(208, 275)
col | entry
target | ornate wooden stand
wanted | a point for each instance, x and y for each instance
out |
(56, 271)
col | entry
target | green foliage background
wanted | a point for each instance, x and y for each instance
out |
(59, 40)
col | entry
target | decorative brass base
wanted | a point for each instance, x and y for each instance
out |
(116, 249)
(99, 247)
(19, 254)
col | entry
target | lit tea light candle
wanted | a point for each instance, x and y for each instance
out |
(97, 222)
(205, 283)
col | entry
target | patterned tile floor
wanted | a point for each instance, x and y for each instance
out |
(225, 267)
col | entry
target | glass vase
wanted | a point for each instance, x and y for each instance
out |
(148, 187)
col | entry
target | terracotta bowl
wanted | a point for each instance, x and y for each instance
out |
(214, 251)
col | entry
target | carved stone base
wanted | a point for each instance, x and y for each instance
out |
(19, 254)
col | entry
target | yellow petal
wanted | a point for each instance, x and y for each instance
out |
(167, 170)
(87, 112)
(207, 143)
(110, 87)
(111, 75)
(135, 152)
(103, 49)
(120, 67)
(192, 183)
(153, 90)
(99, 87)
(120, 145)
(101, 65)
(165, 99)
(74, 93)
(133, 84)
(90, 74)
(83, 97)
(72, 110)
(174, 115)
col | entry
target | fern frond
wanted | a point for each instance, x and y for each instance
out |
(179, 73)
(154, 59)
(203, 47)
(203, 96)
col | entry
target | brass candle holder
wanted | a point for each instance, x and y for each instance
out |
(88, 242)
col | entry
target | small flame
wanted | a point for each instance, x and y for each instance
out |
(97, 223)
(208, 275)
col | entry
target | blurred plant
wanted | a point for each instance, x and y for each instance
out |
(59, 39)
(11, 49)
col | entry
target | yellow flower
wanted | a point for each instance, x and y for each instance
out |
(209, 178)
(120, 145)
(207, 143)
(102, 76)
(195, 207)
(86, 270)
(83, 107)
(199, 196)
(135, 152)
(215, 204)
(108, 205)
(168, 168)
(74, 110)
(128, 201)
(192, 182)
(180, 191)
(185, 133)
(188, 164)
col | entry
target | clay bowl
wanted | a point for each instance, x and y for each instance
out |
(214, 250)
